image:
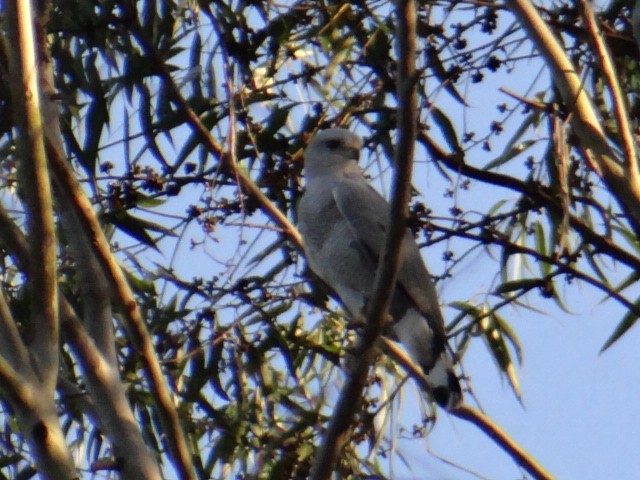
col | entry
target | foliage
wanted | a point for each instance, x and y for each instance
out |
(185, 124)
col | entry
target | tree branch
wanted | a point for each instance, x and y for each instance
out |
(540, 195)
(585, 122)
(470, 414)
(34, 180)
(36, 409)
(619, 102)
(243, 179)
(126, 302)
(110, 402)
(378, 305)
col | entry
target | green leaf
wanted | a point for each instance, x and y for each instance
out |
(514, 285)
(513, 147)
(512, 152)
(541, 247)
(135, 227)
(216, 349)
(494, 337)
(437, 67)
(625, 324)
(446, 127)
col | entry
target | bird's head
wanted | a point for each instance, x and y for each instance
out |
(331, 149)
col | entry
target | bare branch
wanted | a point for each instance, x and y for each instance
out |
(131, 314)
(378, 305)
(470, 414)
(34, 177)
(619, 102)
(621, 182)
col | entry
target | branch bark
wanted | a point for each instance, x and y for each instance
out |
(36, 408)
(605, 63)
(378, 305)
(34, 179)
(131, 315)
(621, 179)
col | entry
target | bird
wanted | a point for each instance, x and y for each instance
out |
(343, 222)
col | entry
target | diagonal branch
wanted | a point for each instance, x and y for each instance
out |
(618, 176)
(378, 305)
(609, 72)
(474, 416)
(126, 302)
(244, 180)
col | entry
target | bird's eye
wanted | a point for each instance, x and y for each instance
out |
(333, 144)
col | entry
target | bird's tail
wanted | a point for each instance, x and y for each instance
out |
(445, 386)
(414, 333)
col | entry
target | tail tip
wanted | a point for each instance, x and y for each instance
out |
(448, 396)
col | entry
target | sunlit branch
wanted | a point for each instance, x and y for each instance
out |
(34, 177)
(584, 119)
(35, 409)
(619, 102)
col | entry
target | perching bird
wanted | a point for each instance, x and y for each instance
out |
(343, 222)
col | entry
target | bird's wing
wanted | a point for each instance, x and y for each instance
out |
(367, 212)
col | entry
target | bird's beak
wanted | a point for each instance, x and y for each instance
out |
(354, 153)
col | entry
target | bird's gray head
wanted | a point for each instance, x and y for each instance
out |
(331, 149)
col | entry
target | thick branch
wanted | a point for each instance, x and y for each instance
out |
(376, 310)
(619, 102)
(622, 183)
(35, 409)
(34, 182)
(130, 311)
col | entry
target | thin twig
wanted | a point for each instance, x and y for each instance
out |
(243, 179)
(540, 195)
(376, 310)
